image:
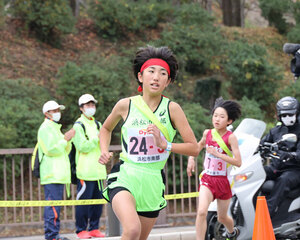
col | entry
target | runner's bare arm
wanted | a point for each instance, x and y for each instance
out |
(236, 159)
(119, 111)
(189, 146)
(235, 150)
(191, 160)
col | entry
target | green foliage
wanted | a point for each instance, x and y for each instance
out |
(21, 104)
(8, 136)
(292, 90)
(103, 80)
(294, 34)
(207, 90)
(2, 13)
(250, 109)
(296, 11)
(193, 37)
(49, 19)
(273, 11)
(250, 73)
(198, 118)
(118, 18)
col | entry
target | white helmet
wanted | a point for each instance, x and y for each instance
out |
(85, 98)
(52, 105)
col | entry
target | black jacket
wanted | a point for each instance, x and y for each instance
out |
(276, 134)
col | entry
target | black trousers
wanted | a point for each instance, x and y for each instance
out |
(284, 182)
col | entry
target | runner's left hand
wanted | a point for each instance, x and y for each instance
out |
(158, 141)
(212, 151)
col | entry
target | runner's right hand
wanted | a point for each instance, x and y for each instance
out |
(191, 166)
(105, 157)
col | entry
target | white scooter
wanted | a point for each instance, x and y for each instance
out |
(249, 182)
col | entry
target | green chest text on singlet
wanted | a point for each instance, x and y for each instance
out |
(137, 145)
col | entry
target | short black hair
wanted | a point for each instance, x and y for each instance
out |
(232, 108)
(164, 53)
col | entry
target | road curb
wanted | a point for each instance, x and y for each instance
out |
(168, 233)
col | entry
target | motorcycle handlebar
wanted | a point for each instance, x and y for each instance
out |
(272, 155)
(269, 150)
(267, 144)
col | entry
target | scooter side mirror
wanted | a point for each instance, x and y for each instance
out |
(290, 137)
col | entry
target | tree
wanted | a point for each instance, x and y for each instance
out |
(99, 79)
(275, 12)
(21, 102)
(48, 19)
(233, 12)
(1, 14)
(206, 4)
(251, 74)
(75, 5)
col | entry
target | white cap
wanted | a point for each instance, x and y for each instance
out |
(85, 98)
(52, 105)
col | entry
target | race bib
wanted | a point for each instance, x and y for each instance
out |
(142, 149)
(214, 166)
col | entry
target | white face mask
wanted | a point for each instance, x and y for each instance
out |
(89, 112)
(289, 120)
(56, 116)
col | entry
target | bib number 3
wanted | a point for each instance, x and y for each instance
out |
(214, 166)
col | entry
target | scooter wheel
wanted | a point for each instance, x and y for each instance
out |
(214, 228)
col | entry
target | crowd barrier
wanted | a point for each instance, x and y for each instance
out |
(21, 195)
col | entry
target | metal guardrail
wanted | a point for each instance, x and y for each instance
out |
(19, 184)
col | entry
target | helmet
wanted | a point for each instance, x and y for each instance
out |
(85, 98)
(287, 105)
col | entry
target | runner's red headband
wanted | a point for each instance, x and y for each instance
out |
(155, 61)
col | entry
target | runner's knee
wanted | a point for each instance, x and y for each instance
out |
(132, 231)
(223, 218)
(202, 213)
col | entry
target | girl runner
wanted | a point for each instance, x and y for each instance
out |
(214, 183)
(135, 186)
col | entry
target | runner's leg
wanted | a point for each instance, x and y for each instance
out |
(223, 216)
(124, 207)
(205, 198)
(147, 225)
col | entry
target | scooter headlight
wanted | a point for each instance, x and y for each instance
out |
(242, 177)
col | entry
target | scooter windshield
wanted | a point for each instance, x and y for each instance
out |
(248, 134)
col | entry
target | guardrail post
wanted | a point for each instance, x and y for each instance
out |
(113, 224)
(162, 219)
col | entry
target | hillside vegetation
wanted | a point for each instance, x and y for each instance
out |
(246, 64)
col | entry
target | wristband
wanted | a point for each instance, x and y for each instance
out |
(169, 146)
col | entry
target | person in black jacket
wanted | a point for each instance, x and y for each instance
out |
(286, 170)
